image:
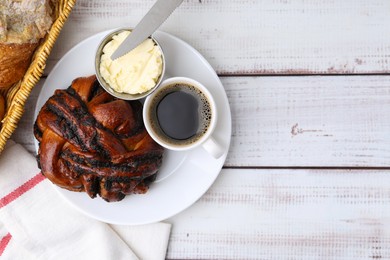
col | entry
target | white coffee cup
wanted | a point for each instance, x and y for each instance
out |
(207, 119)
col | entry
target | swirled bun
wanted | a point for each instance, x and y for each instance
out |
(93, 142)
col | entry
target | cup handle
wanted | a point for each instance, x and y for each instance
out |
(213, 148)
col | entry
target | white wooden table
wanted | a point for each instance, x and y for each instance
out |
(308, 170)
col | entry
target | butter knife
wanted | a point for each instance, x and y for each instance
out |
(159, 12)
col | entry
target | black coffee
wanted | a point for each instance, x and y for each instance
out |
(182, 114)
(178, 115)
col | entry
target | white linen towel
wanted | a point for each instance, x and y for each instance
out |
(35, 222)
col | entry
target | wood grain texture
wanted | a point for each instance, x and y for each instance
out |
(257, 37)
(296, 121)
(287, 214)
(309, 121)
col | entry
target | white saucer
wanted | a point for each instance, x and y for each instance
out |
(184, 176)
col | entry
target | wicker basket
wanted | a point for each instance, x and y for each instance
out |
(17, 95)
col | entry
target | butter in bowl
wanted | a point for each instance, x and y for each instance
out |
(136, 74)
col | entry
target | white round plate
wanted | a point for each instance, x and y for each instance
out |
(184, 176)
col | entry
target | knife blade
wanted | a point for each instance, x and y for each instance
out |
(159, 12)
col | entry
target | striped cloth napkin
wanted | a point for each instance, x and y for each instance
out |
(35, 223)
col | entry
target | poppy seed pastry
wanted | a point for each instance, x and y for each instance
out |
(23, 23)
(91, 141)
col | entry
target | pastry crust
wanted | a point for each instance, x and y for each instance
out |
(2, 107)
(14, 62)
(23, 23)
(90, 141)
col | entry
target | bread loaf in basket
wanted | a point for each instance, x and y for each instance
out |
(28, 31)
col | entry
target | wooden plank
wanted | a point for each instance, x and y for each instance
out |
(331, 121)
(258, 37)
(287, 214)
(309, 121)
